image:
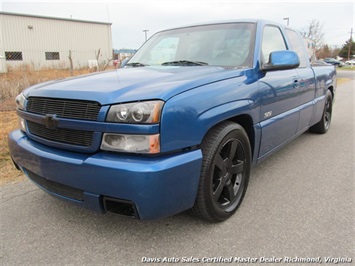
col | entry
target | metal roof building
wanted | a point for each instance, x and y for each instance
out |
(47, 42)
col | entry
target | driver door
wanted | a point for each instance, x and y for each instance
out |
(279, 96)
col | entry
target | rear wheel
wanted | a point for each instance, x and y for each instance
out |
(324, 124)
(225, 172)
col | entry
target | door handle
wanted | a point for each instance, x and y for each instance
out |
(296, 83)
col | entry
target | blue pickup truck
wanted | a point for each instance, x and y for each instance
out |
(178, 127)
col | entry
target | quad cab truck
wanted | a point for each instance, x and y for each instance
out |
(178, 127)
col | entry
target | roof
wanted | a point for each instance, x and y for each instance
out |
(256, 21)
(54, 18)
(215, 22)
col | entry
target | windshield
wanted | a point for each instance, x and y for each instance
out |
(227, 45)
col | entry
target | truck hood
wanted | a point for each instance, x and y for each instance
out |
(132, 84)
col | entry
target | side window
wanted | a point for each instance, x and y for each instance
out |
(297, 46)
(272, 41)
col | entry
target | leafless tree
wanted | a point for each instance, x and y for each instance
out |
(108, 61)
(97, 60)
(102, 65)
(314, 31)
(71, 68)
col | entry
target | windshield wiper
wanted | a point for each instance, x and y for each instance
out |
(136, 64)
(184, 63)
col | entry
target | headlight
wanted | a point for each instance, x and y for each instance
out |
(20, 101)
(149, 144)
(140, 112)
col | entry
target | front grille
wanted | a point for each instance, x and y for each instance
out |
(69, 136)
(73, 109)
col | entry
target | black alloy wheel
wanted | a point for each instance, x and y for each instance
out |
(327, 112)
(225, 172)
(324, 124)
(228, 173)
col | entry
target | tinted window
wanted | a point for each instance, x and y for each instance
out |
(272, 41)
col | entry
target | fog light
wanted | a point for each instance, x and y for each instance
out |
(149, 144)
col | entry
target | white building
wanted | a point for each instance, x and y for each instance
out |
(46, 42)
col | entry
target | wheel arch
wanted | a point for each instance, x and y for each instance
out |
(331, 88)
(246, 122)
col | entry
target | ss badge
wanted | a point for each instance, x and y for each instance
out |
(268, 114)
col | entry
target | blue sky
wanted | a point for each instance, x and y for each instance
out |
(130, 18)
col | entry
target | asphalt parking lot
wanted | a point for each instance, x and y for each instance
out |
(299, 205)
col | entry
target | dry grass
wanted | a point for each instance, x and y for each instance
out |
(8, 172)
(342, 80)
(16, 80)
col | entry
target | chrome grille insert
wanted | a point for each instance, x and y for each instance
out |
(73, 109)
(63, 135)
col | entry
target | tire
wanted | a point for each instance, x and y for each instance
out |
(324, 124)
(225, 172)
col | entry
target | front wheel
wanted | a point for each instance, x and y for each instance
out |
(225, 172)
(324, 124)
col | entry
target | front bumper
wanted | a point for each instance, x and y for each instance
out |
(156, 186)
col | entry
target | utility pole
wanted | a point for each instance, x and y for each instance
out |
(350, 43)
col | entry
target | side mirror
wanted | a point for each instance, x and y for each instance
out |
(124, 62)
(281, 60)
